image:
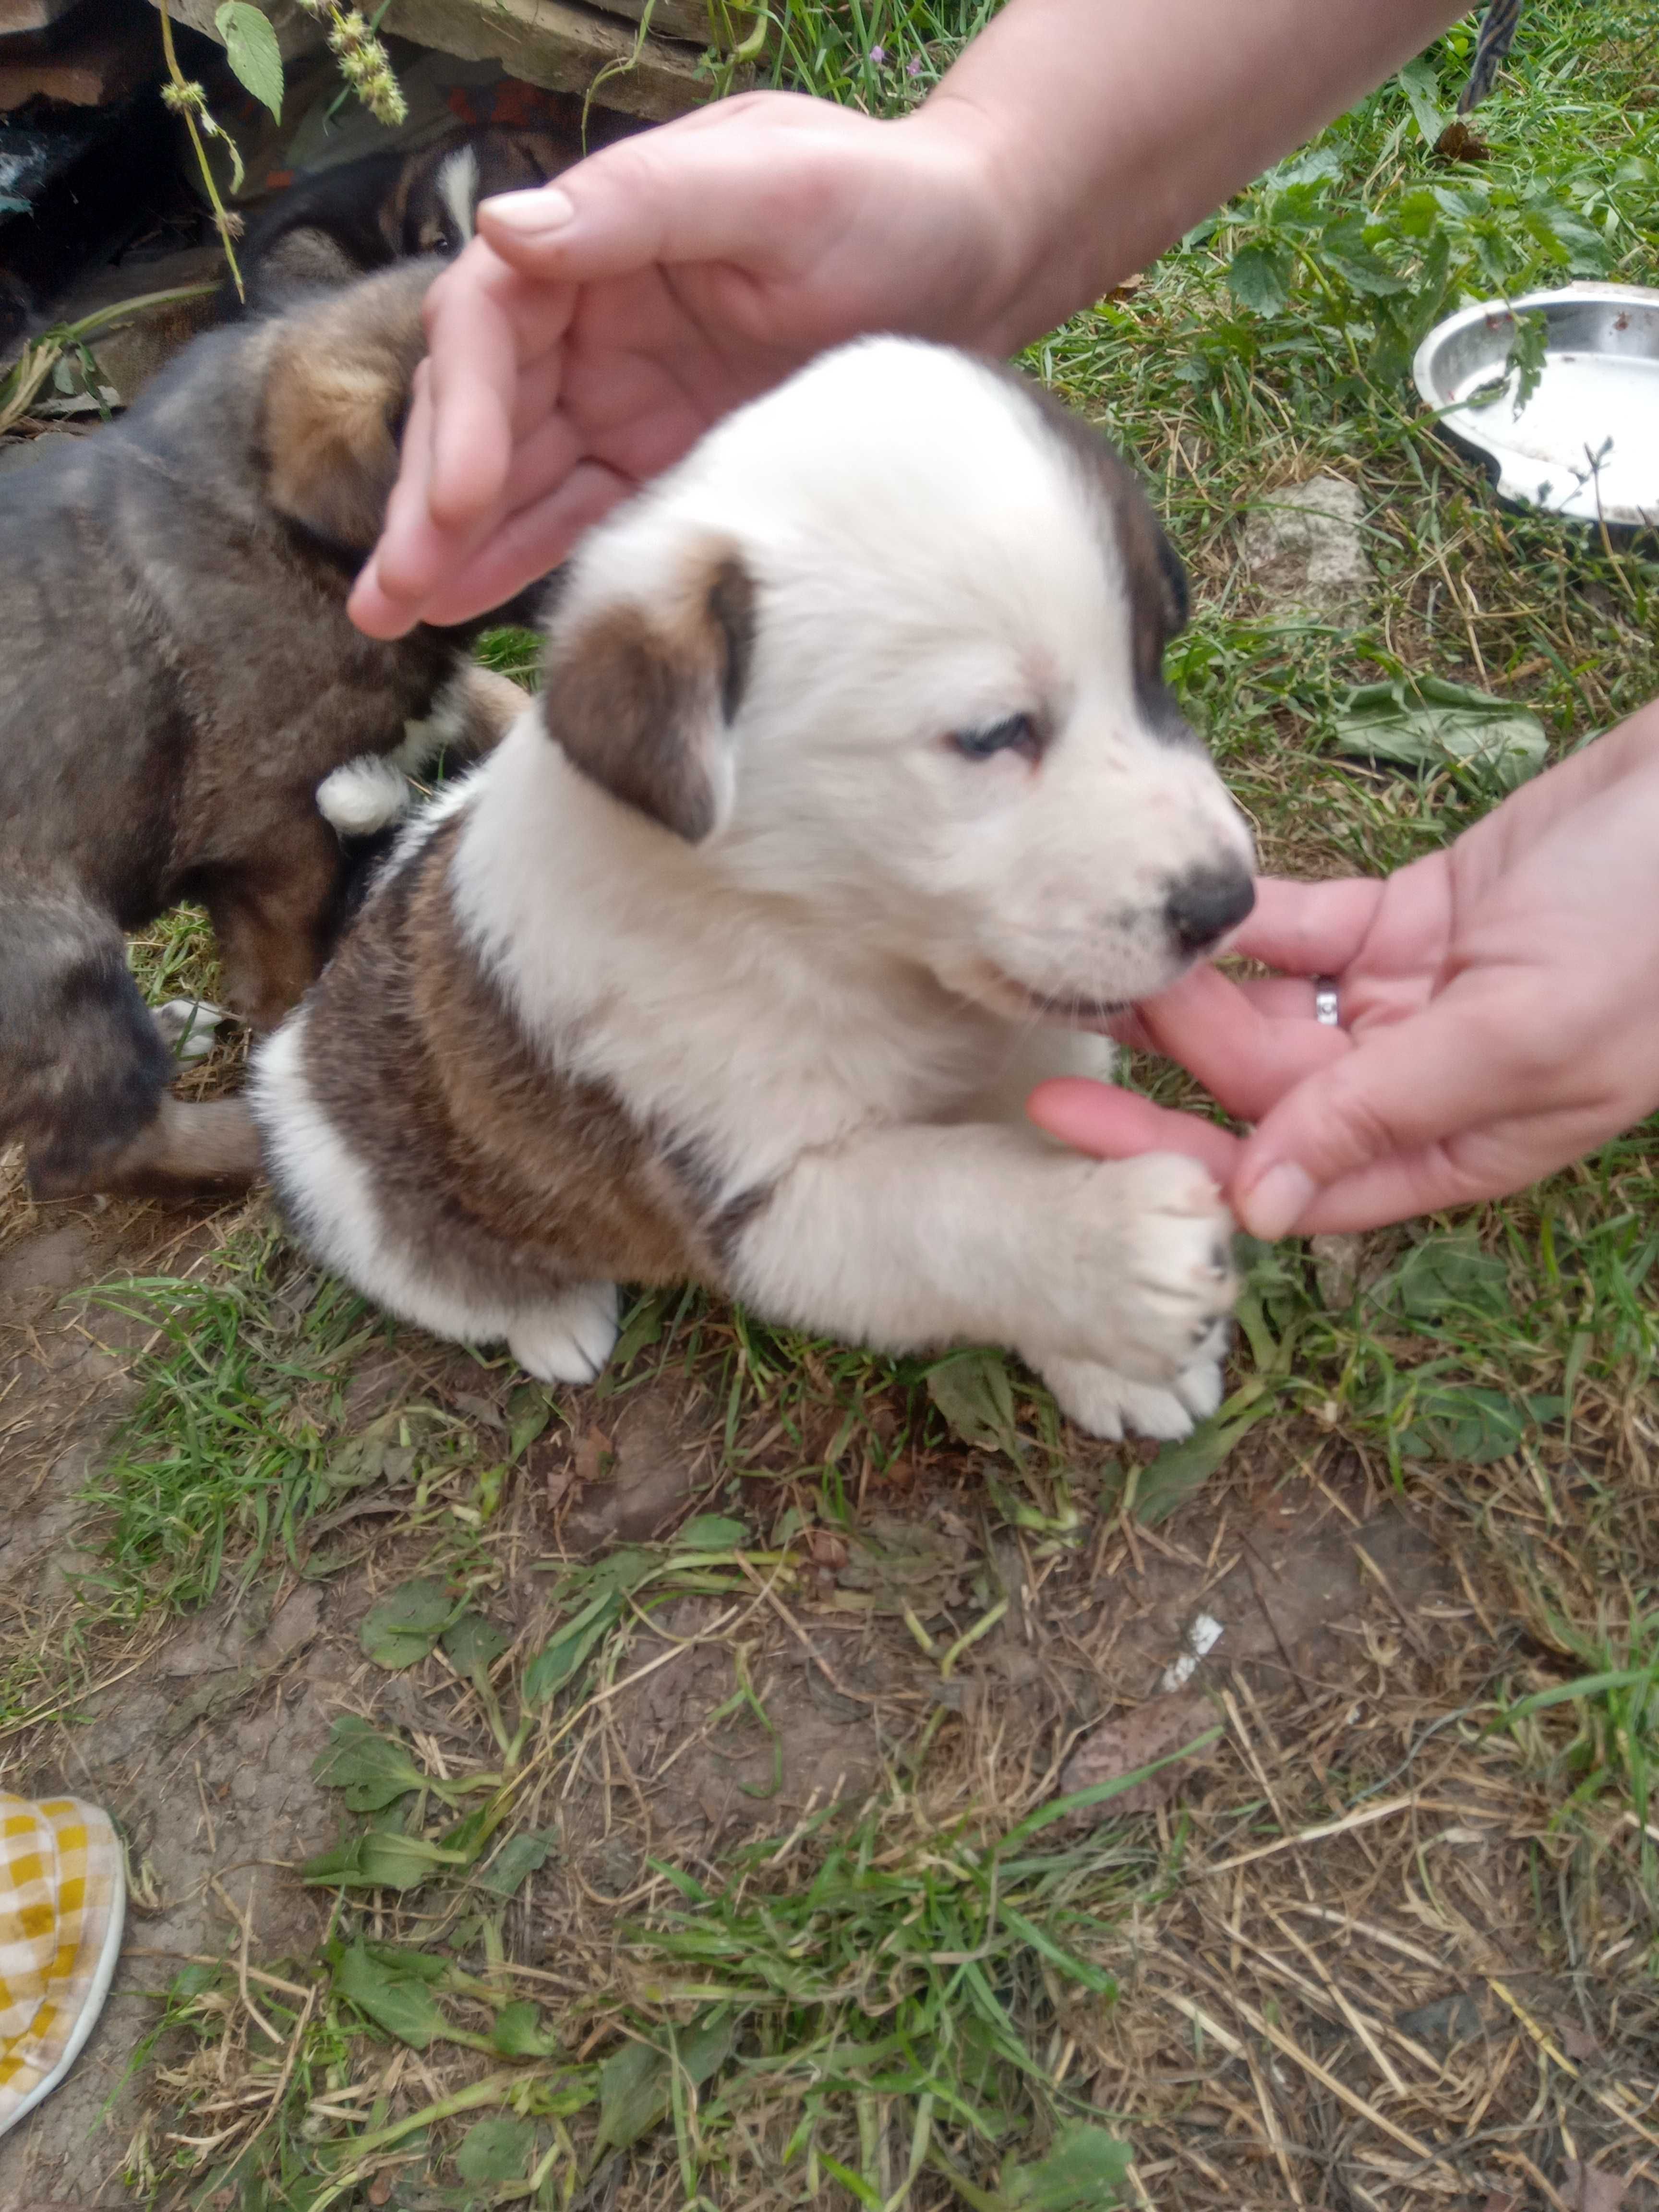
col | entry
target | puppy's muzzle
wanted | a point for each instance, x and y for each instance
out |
(1203, 905)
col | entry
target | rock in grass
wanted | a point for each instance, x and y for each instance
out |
(1304, 550)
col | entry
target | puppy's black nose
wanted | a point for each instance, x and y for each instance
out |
(1202, 907)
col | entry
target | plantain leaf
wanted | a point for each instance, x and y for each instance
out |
(1428, 722)
(404, 1627)
(494, 2151)
(1180, 1469)
(517, 1860)
(712, 1532)
(563, 1654)
(472, 1645)
(635, 2083)
(393, 1998)
(1079, 2174)
(381, 1859)
(518, 2033)
(973, 1392)
(372, 1769)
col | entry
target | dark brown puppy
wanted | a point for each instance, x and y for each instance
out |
(334, 224)
(177, 675)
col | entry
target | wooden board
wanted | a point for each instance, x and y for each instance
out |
(563, 48)
(17, 16)
(93, 71)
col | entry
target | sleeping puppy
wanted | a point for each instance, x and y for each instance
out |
(177, 677)
(854, 805)
(335, 224)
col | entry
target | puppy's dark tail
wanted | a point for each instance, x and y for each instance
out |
(84, 1069)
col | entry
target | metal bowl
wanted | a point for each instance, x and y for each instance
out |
(1586, 443)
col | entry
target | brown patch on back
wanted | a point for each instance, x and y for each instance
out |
(637, 696)
(335, 399)
(497, 1175)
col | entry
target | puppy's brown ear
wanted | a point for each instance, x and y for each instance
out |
(642, 696)
(337, 392)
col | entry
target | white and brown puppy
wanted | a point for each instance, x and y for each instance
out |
(857, 800)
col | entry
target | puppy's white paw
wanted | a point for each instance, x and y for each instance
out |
(188, 1026)
(570, 1337)
(1145, 1267)
(366, 795)
(1107, 1404)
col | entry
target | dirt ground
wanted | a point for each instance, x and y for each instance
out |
(202, 1742)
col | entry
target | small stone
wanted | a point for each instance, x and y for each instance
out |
(1305, 548)
(1336, 1257)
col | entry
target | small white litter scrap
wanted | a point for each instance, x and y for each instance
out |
(1202, 1638)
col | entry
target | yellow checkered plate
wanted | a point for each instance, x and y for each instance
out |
(63, 1897)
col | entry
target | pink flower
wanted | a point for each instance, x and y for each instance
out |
(878, 55)
(913, 67)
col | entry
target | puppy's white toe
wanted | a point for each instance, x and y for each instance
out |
(366, 795)
(1107, 1404)
(570, 1337)
(188, 1026)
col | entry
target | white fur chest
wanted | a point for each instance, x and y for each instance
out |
(711, 1013)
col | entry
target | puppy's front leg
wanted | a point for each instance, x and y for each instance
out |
(915, 1236)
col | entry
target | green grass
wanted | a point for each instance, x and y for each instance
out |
(236, 1446)
(884, 2002)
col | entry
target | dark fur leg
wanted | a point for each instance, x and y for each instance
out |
(208, 1145)
(82, 1066)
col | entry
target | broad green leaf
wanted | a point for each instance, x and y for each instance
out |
(378, 1859)
(399, 2002)
(529, 1410)
(472, 1645)
(1259, 278)
(635, 2083)
(712, 1532)
(421, 1966)
(1180, 1469)
(252, 50)
(494, 2151)
(517, 1860)
(1346, 248)
(1456, 1421)
(1321, 165)
(1079, 2174)
(1429, 723)
(1420, 82)
(518, 2033)
(564, 1653)
(372, 1769)
(1447, 1272)
(973, 1392)
(643, 1327)
(404, 1627)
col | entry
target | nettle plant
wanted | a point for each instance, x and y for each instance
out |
(1311, 259)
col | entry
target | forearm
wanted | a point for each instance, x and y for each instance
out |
(1110, 127)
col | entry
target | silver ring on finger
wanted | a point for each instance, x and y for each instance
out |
(1327, 1007)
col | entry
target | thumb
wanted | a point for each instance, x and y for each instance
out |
(1403, 1089)
(667, 197)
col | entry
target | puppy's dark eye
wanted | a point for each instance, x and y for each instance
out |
(1017, 733)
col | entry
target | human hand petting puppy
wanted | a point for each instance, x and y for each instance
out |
(594, 329)
(1499, 1005)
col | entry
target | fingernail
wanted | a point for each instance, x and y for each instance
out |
(530, 215)
(1271, 1207)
